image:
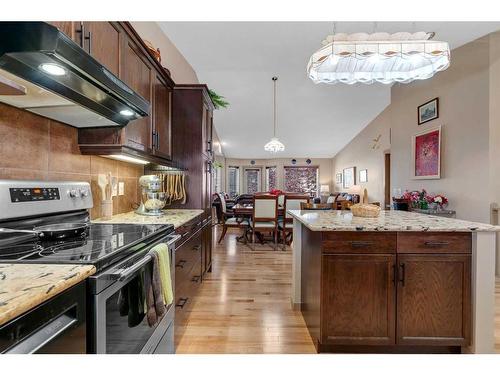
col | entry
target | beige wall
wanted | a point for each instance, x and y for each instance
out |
(466, 103)
(171, 58)
(325, 169)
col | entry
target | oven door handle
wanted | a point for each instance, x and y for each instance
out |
(124, 274)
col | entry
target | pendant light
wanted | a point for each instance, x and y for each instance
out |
(274, 145)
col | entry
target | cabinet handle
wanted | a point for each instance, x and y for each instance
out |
(358, 244)
(181, 263)
(436, 243)
(182, 302)
(82, 34)
(89, 38)
(195, 279)
(197, 247)
(402, 277)
(394, 271)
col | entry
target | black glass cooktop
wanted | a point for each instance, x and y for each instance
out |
(100, 245)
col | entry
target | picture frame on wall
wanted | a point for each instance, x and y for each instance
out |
(338, 178)
(428, 111)
(426, 154)
(349, 177)
(363, 175)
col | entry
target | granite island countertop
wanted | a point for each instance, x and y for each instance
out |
(177, 217)
(25, 286)
(397, 221)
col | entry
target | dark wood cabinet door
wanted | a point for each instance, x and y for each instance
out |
(433, 299)
(162, 117)
(102, 40)
(207, 248)
(358, 295)
(136, 72)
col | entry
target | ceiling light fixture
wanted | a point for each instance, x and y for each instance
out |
(379, 57)
(274, 145)
(53, 69)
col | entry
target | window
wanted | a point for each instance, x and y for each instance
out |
(233, 181)
(217, 175)
(302, 180)
(252, 180)
(270, 178)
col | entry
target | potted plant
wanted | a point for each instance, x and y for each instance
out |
(218, 100)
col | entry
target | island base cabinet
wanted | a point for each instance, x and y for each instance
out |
(434, 299)
(359, 299)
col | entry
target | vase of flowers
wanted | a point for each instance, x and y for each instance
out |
(441, 201)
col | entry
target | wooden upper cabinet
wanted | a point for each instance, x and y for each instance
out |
(207, 144)
(137, 73)
(358, 299)
(67, 27)
(102, 41)
(433, 299)
(162, 109)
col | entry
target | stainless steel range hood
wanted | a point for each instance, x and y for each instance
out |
(62, 80)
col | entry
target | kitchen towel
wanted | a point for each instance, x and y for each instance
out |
(166, 278)
(149, 304)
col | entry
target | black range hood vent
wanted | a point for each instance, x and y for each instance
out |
(63, 81)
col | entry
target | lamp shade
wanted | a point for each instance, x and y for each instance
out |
(325, 189)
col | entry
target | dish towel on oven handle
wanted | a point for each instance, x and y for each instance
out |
(166, 278)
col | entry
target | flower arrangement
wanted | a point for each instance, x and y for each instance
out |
(276, 192)
(421, 199)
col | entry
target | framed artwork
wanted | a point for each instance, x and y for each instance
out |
(349, 177)
(428, 111)
(363, 175)
(426, 147)
(338, 178)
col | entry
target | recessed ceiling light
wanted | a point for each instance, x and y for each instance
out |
(126, 112)
(53, 69)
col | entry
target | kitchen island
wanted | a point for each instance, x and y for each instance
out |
(402, 282)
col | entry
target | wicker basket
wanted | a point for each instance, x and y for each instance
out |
(365, 210)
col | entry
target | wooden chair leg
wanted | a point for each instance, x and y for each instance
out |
(284, 239)
(224, 230)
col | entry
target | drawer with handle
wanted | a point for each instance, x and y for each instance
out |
(434, 242)
(359, 243)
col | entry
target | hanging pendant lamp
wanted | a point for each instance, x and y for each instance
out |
(274, 145)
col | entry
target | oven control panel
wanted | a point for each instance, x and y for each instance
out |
(24, 198)
(34, 194)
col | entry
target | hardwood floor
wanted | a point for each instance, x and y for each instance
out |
(244, 305)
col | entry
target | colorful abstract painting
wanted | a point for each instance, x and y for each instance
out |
(427, 154)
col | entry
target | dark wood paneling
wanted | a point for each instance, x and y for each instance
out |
(359, 242)
(434, 242)
(433, 300)
(358, 299)
(311, 282)
(103, 43)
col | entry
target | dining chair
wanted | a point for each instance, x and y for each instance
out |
(228, 219)
(291, 202)
(265, 216)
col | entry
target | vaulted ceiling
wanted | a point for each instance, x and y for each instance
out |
(238, 59)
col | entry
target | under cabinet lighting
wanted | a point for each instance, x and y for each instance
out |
(126, 112)
(53, 69)
(126, 158)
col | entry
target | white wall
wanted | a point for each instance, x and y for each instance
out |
(171, 58)
(465, 105)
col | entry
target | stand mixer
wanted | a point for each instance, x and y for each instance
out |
(152, 198)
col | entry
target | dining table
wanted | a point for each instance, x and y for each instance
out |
(245, 212)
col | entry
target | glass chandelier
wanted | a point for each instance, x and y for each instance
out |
(274, 145)
(379, 57)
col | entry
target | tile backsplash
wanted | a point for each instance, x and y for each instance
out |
(36, 148)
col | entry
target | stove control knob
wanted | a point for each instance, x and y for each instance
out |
(84, 193)
(73, 193)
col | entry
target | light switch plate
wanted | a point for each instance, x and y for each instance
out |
(121, 188)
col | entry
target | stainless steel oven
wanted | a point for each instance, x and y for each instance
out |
(111, 331)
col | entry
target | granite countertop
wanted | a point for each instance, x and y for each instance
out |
(24, 286)
(177, 217)
(335, 220)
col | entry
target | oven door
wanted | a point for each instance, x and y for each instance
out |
(118, 328)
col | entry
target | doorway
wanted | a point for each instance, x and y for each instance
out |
(387, 183)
